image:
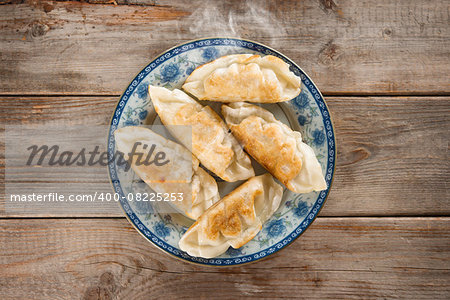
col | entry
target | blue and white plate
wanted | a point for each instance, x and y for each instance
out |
(306, 113)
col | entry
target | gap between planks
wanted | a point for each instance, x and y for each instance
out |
(373, 217)
(329, 94)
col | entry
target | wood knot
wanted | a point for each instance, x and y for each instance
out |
(96, 293)
(103, 290)
(328, 5)
(38, 29)
(47, 7)
(387, 32)
(107, 279)
(331, 54)
(355, 156)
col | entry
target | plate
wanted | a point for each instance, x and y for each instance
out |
(307, 113)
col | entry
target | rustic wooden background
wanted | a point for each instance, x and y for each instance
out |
(383, 67)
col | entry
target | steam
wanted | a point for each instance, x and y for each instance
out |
(252, 20)
(210, 21)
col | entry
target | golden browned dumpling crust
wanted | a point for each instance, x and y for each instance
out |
(234, 220)
(264, 143)
(208, 137)
(275, 146)
(244, 77)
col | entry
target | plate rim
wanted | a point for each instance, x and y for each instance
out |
(250, 258)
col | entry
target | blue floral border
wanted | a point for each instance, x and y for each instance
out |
(329, 134)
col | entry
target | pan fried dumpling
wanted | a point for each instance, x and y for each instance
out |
(244, 77)
(180, 175)
(211, 143)
(275, 146)
(234, 220)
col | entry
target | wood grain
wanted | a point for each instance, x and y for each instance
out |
(392, 157)
(349, 258)
(347, 46)
(64, 63)
(392, 151)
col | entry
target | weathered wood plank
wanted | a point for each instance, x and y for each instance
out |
(349, 258)
(392, 151)
(347, 46)
(392, 156)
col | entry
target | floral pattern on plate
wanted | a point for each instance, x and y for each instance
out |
(306, 113)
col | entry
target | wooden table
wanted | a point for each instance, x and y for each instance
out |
(383, 67)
